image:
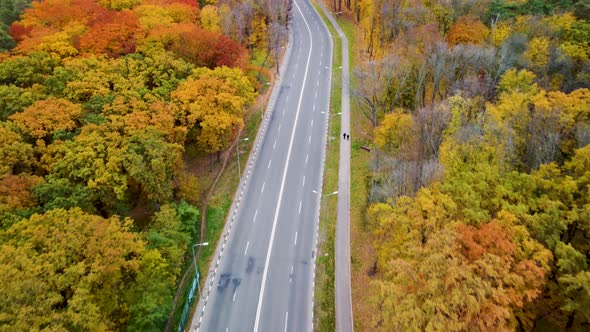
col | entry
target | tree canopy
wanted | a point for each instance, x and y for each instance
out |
(478, 194)
(105, 106)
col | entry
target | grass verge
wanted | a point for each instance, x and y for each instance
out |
(362, 253)
(324, 306)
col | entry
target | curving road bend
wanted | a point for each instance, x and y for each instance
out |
(265, 276)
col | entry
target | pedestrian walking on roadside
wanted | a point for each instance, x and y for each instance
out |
(344, 136)
(347, 137)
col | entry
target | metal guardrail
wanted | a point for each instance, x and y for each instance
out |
(189, 300)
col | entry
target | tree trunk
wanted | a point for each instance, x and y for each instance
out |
(375, 119)
(277, 60)
(211, 163)
(570, 321)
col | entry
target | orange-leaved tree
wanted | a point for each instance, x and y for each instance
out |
(46, 117)
(114, 35)
(467, 30)
(201, 47)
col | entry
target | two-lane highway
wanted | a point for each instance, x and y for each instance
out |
(265, 276)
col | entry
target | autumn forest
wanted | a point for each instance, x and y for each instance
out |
(478, 188)
(101, 102)
(477, 120)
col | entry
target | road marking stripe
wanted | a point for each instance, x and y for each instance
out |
(255, 214)
(269, 162)
(245, 251)
(234, 299)
(274, 145)
(263, 184)
(309, 140)
(300, 206)
(286, 320)
(276, 217)
(295, 240)
(306, 158)
(311, 122)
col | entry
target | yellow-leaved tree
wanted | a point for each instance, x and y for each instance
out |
(210, 18)
(213, 102)
(67, 270)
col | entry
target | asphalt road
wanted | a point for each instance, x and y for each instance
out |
(265, 276)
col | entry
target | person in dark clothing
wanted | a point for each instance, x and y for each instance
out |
(347, 137)
(343, 135)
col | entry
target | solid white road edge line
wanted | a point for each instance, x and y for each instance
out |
(286, 320)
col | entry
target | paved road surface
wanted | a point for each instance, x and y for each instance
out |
(344, 321)
(265, 277)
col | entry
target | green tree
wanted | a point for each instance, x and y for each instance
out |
(151, 295)
(168, 234)
(14, 99)
(25, 71)
(168, 238)
(577, 290)
(10, 10)
(582, 9)
(6, 41)
(153, 163)
(60, 193)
